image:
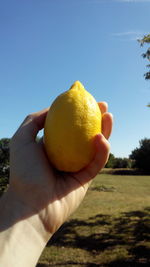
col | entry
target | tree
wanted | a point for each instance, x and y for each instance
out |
(114, 163)
(122, 163)
(110, 162)
(4, 163)
(146, 39)
(4, 151)
(141, 155)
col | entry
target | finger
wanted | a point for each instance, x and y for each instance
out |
(107, 124)
(102, 152)
(37, 117)
(103, 107)
(40, 141)
(32, 124)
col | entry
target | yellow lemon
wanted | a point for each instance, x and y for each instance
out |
(73, 120)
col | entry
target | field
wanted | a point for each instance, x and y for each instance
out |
(111, 228)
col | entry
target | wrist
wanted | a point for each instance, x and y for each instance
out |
(22, 231)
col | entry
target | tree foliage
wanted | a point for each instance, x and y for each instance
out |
(114, 162)
(4, 163)
(122, 163)
(110, 162)
(146, 39)
(141, 155)
(4, 151)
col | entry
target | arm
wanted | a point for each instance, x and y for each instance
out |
(22, 237)
(39, 198)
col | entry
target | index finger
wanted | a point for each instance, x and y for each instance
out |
(103, 107)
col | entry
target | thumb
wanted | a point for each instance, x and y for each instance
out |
(32, 124)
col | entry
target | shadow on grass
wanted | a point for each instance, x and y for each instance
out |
(70, 263)
(130, 232)
(90, 264)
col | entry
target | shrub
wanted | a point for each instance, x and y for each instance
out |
(141, 155)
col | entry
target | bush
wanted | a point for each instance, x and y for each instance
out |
(141, 155)
(114, 163)
(110, 162)
(122, 163)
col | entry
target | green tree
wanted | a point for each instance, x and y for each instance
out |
(122, 163)
(4, 151)
(141, 155)
(110, 162)
(146, 39)
(114, 163)
(4, 163)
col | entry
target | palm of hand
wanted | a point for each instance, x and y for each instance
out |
(51, 194)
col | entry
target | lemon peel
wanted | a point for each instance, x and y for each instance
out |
(72, 122)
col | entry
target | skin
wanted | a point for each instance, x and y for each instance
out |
(40, 198)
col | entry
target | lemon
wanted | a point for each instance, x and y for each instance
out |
(73, 120)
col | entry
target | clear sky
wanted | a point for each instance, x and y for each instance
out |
(45, 45)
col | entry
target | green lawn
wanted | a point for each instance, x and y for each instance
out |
(110, 228)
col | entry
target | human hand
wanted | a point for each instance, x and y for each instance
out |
(51, 194)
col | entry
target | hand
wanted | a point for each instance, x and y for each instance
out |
(44, 191)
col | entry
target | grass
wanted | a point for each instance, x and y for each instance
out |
(111, 227)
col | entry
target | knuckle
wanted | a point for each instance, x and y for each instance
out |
(29, 117)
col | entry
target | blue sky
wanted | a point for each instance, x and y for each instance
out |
(45, 45)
